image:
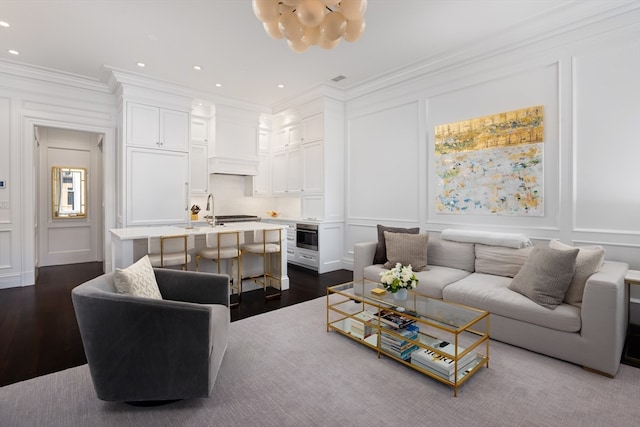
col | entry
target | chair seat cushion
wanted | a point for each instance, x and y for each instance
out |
(171, 258)
(225, 253)
(257, 248)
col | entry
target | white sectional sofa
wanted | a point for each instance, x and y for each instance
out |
(590, 334)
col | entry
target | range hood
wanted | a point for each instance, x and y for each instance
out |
(233, 166)
(235, 148)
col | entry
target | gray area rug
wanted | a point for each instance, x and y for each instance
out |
(283, 369)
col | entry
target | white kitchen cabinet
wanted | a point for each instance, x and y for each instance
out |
(157, 186)
(286, 172)
(199, 168)
(262, 181)
(288, 137)
(312, 207)
(154, 127)
(199, 130)
(312, 167)
(263, 141)
(312, 128)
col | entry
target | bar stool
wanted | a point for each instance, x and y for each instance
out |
(225, 246)
(169, 251)
(267, 245)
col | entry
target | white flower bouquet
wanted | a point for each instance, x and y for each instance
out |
(398, 277)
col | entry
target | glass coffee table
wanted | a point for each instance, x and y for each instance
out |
(440, 339)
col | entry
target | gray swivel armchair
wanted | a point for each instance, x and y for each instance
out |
(144, 350)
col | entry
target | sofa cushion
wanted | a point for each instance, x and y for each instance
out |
(380, 256)
(492, 293)
(492, 238)
(447, 253)
(588, 261)
(546, 275)
(500, 260)
(138, 280)
(430, 282)
(406, 249)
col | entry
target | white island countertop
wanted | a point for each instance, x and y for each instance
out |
(130, 244)
(132, 233)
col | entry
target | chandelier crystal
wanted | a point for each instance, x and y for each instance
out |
(304, 23)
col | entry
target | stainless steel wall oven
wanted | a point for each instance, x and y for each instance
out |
(307, 236)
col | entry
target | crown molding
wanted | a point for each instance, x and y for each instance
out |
(50, 76)
(564, 20)
(118, 79)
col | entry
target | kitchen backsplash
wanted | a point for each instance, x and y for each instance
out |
(230, 199)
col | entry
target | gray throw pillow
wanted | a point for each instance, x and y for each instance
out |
(546, 275)
(407, 249)
(380, 256)
(588, 261)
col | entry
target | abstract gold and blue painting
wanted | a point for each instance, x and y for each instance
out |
(492, 165)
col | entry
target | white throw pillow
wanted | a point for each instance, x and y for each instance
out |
(137, 280)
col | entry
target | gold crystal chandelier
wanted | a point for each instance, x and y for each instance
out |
(312, 22)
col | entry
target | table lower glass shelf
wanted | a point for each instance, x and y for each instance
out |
(450, 351)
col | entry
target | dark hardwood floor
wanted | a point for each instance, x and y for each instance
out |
(39, 333)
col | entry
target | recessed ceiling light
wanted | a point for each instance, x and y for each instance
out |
(14, 52)
(141, 64)
(197, 67)
(281, 86)
(218, 84)
(4, 24)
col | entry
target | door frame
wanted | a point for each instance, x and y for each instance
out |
(78, 142)
(30, 192)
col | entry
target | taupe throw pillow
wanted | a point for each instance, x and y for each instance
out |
(588, 261)
(407, 249)
(381, 250)
(546, 275)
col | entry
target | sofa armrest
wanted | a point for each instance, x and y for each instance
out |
(604, 316)
(193, 286)
(363, 254)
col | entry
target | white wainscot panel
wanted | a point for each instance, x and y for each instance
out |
(607, 152)
(384, 164)
(69, 240)
(358, 233)
(5, 249)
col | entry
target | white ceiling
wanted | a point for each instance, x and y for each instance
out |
(226, 39)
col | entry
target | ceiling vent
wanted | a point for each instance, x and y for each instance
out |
(338, 78)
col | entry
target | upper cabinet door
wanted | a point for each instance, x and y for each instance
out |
(312, 128)
(174, 130)
(155, 127)
(199, 130)
(143, 125)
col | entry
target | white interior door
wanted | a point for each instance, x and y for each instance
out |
(69, 240)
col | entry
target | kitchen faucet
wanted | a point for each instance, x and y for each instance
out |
(211, 219)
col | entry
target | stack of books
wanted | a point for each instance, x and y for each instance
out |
(400, 346)
(394, 320)
(360, 326)
(441, 365)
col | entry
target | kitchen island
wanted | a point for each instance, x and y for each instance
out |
(130, 244)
